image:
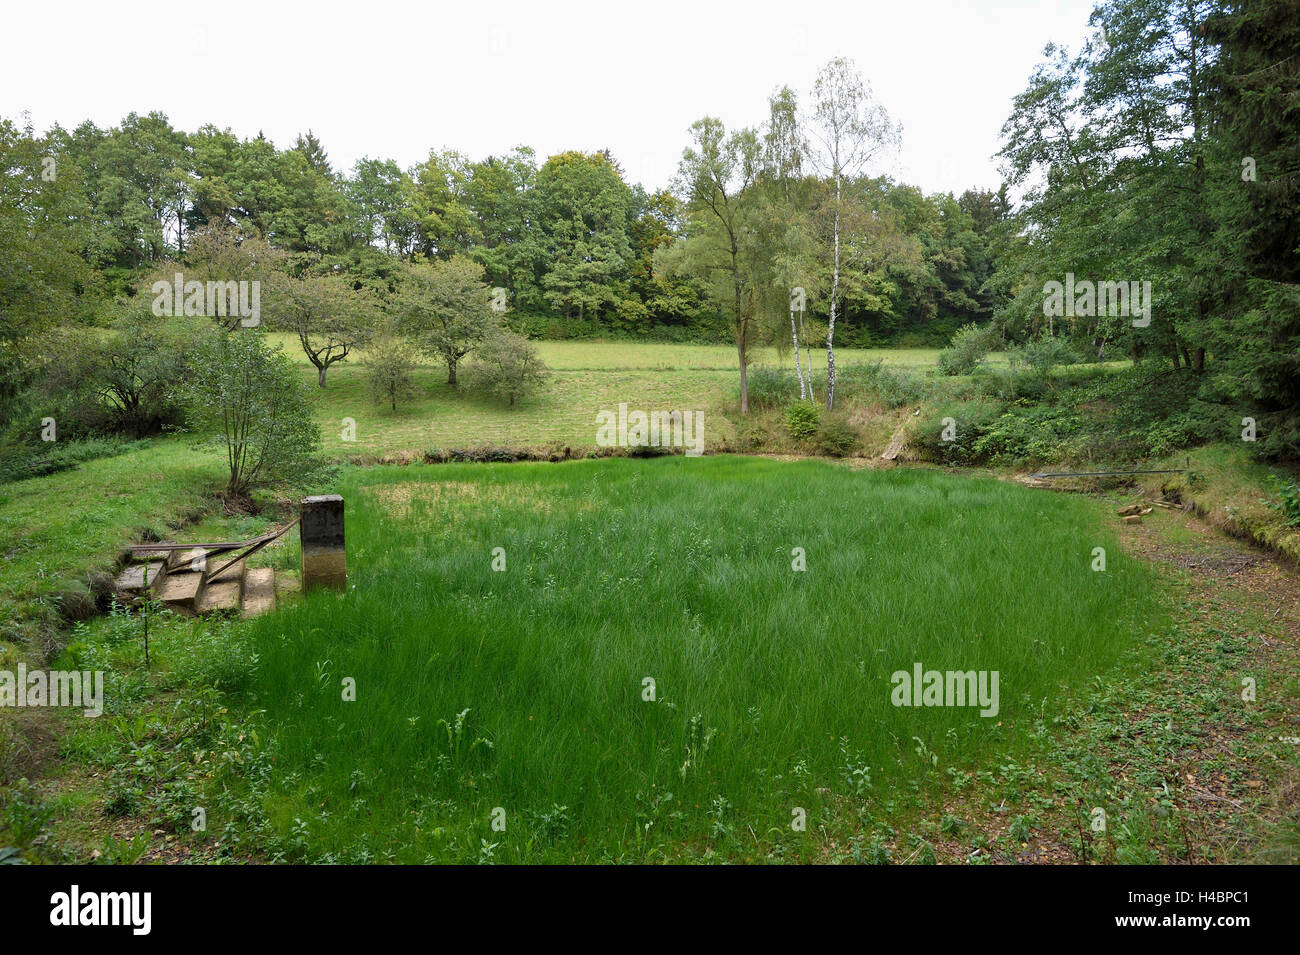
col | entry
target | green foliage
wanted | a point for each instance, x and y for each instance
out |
(967, 422)
(390, 364)
(894, 386)
(124, 851)
(1041, 355)
(968, 349)
(445, 308)
(508, 365)
(1288, 502)
(252, 397)
(771, 387)
(328, 316)
(38, 460)
(835, 437)
(23, 816)
(801, 419)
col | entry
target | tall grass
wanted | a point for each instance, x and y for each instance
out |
(772, 686)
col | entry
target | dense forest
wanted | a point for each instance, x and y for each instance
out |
(569, 238)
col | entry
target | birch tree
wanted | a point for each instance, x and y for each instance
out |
(848, 129)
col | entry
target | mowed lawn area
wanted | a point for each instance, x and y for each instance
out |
(586, 377)
(523, 694)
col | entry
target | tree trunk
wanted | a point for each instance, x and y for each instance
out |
(451, 372)
(744, 376)
(794, 333)
(320, 374)
(835, 289)
(738, 323)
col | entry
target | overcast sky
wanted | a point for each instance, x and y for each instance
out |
(392, 80)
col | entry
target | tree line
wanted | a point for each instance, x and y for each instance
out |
(1163, 153)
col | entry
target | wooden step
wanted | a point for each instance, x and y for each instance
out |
(259, 591)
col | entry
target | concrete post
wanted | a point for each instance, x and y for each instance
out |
(324, 559)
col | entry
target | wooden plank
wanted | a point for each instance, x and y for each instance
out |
(895, 444)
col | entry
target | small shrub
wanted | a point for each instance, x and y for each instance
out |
(1288, 502)
(770, 388)
(508, 365)
(253, 398)
(1041, 355)
(390, 364)
(801, 420)
(24, 816)
(894, 386)
(971, 420)
(835, 438)
(968, 349)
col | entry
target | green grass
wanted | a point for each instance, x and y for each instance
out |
(773, 686)
(62, 526)
(563, 412)
(658, 356)
(586, 377)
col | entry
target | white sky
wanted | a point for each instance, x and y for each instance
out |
(393, 79)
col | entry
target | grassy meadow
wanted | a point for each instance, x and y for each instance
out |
(522, 690)
(585, 377)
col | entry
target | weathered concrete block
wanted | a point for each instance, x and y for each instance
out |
(131, 580)
(220, 597)
(181, 591)
(234, 572)
(192, 559)
(147, 556)
(259, 591)
(324, 558)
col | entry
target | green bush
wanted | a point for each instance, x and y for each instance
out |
(507, 365)
(969, 421)
(894, 386)
(968, 349)
(1288, 499)
(1028, 435)
(253, 398)
(801, 420)
(770, 388)
(1041, 355)
(836, 438)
